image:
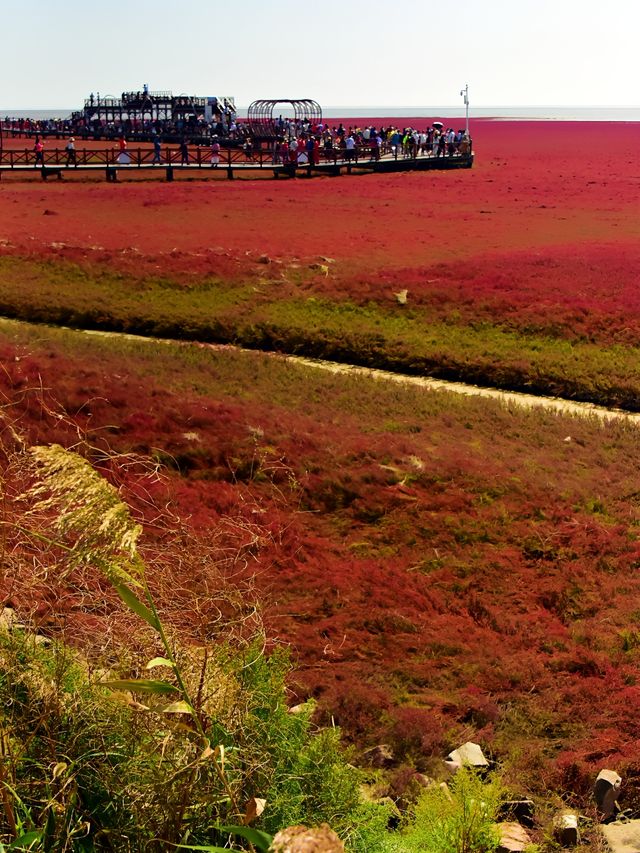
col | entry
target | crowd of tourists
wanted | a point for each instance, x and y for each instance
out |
(301, 143)
(194, 128)
(298, 139)
(297, 143)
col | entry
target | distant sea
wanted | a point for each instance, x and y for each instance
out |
(530, 113)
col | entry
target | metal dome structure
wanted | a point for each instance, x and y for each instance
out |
(262, 123)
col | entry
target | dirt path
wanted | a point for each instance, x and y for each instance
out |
(528, 401)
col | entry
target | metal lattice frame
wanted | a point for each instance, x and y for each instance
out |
(263, 125)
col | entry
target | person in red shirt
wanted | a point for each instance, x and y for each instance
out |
(301, 149)
(38, 147)
(123, 157)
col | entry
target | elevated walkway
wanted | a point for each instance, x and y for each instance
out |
(232, 163)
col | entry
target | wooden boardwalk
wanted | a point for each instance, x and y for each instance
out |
(230, 166)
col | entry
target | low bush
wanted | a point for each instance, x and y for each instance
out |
(455, 819)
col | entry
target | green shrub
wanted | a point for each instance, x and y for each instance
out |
(455, 819)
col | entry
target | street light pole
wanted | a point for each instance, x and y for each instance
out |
(465, 94)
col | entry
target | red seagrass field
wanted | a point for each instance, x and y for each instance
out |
(543, 230)
(537, 188)
(442, 570)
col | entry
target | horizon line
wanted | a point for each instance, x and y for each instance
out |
(415, 106)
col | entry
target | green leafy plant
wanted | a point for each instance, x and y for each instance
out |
(459, 818)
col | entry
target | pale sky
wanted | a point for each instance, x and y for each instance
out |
(338, 52)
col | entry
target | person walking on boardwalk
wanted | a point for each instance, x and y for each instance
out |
(123, 157)
(70, 148)
(451, 142)
(435, 142)
(396, 141)
(375, 142)
(157, 150)
(350, 147)
(311, 150)
(38, 147)
(215, 152)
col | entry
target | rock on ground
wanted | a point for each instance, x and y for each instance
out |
(622, 837)
(300, 839)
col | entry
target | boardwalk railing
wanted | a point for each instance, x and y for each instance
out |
(201, 157)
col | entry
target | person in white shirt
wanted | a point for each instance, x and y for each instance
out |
(350, 146)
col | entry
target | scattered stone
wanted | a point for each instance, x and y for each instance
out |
(300, 839)
(622, 837)
(565, 829)
(606, 792)
(8, 619)
(424, 781)
(191, 436)
(401, 296)
(513, 838)
(47, 212)
(326, 260)
(264, 259)
(469, 753)
(395, 816)
(380, 756)
(322, 268)
(9, 622)
(520, 810)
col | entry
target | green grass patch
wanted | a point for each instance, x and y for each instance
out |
(369, 335)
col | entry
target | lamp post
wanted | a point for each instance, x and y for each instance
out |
(464, 93)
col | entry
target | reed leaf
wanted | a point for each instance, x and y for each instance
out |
(133, 603)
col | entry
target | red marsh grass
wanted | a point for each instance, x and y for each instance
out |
(537, 244)
(442, 567)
